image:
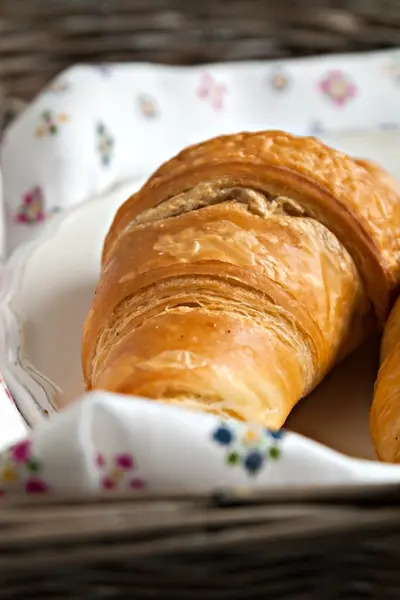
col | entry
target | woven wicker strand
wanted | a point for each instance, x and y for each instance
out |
(226, 546)
(309, 544)
(40, 38)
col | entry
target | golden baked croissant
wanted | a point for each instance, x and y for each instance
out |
(385, 411)
(240, 273)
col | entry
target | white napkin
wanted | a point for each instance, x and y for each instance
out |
(2, 222)
(114, 443)
(95, 126)
(12, 425)
(109, 443)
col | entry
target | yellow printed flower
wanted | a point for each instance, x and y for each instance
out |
(8, 474)
(251, 436)
(280, 81)
(49, 123)
(57, 87)
(147, 106)
(117, 475)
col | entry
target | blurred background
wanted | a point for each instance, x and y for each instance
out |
(39, 38)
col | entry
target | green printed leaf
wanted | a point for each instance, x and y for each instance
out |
(274, 453)
(233, 458)
(33, 465)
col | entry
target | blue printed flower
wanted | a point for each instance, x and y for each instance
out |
(104, 69)
(253, 462)
(316, 128)
(105, 144)
(388, 125)
(276, 435)
(223, 435)
(250, 447)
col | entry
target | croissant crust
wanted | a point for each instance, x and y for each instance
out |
(385, 411)
(356, 200)
(240, 273)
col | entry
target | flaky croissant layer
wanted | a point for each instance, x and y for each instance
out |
(234, 280)
(385, 411)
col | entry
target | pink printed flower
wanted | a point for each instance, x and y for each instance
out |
(100, 461)
(109, 483)
(8, 394)
(338, 87)
(119, 475)
(212, 91)
(21, 452)
(3, 385)
(124, 461)
(31, 209)
(137, 483)
(36, 486)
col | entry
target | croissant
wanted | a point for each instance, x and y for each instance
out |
(240, 273)
(385, 410)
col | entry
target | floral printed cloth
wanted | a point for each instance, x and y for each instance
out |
(106, 443)
(97, 125)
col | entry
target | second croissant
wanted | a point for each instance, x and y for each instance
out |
(240, 273)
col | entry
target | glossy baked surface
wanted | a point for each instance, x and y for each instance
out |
(354, 199)
(385, 412)
(240, 273)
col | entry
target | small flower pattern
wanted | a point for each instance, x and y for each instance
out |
(392, 68)
(4, 388)
(20, 453)
(279, 81)
(104, 69)
(389, 126)
(247, 446)
(58, 86)
(316, 128)
(20, 468)
(338, 88)
(50, 123)
(54, 210)
(147, 107)
(31, 209)
(105, 144)
(239, 446)
(212, 91)
(120, 472)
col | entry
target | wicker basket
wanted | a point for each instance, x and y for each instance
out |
(309, 544)
(317, 544)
